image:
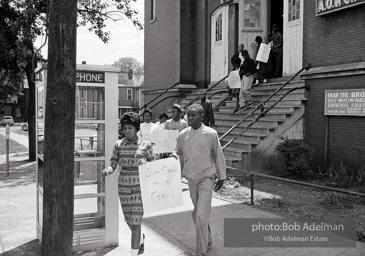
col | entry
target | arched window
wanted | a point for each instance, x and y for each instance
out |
(218, 28)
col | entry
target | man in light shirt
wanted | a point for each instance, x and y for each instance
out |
(201, 158)
(176, 123)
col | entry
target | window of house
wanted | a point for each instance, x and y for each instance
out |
(294, 10)
(252, 13)
(83, 114)
(129, 94)
(137, 95)
(153, 10)
(218, 28)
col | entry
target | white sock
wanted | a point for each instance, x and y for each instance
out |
(134, 252)
(141, 240)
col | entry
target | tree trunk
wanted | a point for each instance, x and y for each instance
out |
(59, 130)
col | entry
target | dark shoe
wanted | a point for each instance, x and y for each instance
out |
(141, 247)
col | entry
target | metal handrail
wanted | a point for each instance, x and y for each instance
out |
(252, 174)
(216, 92)
(220, 103)
(172, 96)
(145, 105)
(261, 106)
(198, 97)
(262, 114)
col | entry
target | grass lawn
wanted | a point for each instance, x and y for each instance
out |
(14, 147)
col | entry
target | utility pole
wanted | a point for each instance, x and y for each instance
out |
(58, 173)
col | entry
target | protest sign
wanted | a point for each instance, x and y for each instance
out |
(160, 184)
(264, 53)
(163, 141)
(234, 80)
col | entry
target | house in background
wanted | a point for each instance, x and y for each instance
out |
(15, 107)
(130, 86)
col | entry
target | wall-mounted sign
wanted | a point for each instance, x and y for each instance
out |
(345, 102)
(90, 77)
(327, 6)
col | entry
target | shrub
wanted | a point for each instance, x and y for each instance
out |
(344, 176)
(295, 156)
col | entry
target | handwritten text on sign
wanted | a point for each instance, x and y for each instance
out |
(345, 102)
(163, 141)
(160, 184)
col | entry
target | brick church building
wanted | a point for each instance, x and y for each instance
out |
(190, 42)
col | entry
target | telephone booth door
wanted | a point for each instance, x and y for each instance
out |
(96, 130)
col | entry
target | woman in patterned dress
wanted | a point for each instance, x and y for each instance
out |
(128, 154)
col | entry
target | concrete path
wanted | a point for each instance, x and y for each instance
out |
(21, 139)
(168, 233)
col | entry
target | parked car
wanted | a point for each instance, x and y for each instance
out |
(24, 127)
(7, 120)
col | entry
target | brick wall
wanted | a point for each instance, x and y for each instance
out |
(346, 133)
(161, 47)
(187, 42)
(232, 32)
(201, 45)
(202, 29)
(335, 38)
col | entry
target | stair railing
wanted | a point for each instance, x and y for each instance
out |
(168, 97)
(198, 97)
(221, 102)
(261, 106)
(162, 93)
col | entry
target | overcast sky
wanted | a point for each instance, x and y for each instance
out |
(125, 41)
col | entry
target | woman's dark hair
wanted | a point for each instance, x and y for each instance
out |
(236, 61)
(245, 53)
(258, 39)
(132, 119)
(147, 110)
(162, 115)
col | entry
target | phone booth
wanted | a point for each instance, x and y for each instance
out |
(96, 130)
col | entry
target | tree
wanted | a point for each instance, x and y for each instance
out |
(58, 180)
(17, 38)
(129, 63)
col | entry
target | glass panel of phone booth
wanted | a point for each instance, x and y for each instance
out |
(40, 207)
(90, 103)
(89, 140)
(89, 213)
(89, 204)
(40, 102)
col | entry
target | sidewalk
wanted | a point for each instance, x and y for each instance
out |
(168, 233)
